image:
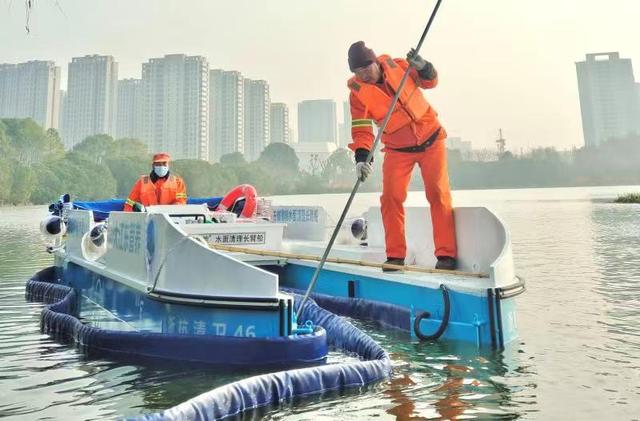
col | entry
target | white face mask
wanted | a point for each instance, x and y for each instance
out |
(160, 170)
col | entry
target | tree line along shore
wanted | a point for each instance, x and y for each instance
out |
(36, 169)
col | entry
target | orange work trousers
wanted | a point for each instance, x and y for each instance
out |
(396, 175)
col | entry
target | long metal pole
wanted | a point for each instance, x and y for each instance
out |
(314, 279)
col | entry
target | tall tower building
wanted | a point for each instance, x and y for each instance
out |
(91, 100)
(317, 121)
(63, 100)
(130, 110)
(257, 107)
(227, 113)
(176, 106)
(609, 101)
(280, 123)
(345, 126)
(8, 90)
(31, 90)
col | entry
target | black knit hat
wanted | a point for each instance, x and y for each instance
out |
(360, 55)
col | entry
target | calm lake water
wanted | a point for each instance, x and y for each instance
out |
(578, 355)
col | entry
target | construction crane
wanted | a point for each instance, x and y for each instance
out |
(501, 142)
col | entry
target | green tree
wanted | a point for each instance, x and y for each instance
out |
(23, 183)
(129, 148)
(55, 147)
(233, 158)
(339, 169)
(126, 158)
(197, 176)
(223, 178)
(84, 179)
(279, 157)
(95, 148)
(126, 171)
(260, 178)
(6, 150)
(48, 184)
(28, 141)
(6, 180)
(309, 183)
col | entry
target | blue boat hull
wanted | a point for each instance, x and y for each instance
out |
(486, 318)
(133, 310)
(130, 325)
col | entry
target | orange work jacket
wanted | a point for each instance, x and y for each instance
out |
(165, 191)
(413, 120)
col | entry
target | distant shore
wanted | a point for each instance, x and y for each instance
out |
(617, 197)
(628, 198)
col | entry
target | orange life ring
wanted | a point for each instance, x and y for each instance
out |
(243, 191)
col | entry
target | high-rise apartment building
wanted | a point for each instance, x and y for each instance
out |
(609, 99)
(345, 126)
(31, 90)
(317, 121)
(130, 109)
(280, 123)
(91, 99)
(176, 106)
(257, 107)
(63, 100)
(227, 113)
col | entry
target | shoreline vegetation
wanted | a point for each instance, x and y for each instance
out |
(628, 198)
(36, 169)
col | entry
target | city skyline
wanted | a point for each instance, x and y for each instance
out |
(178, 106)
(129, 127)
(501, 64)
(130, 92)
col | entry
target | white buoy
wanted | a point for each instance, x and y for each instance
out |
(94, 242)
(53, 227)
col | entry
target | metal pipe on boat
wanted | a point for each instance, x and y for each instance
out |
(314, 279)
(426, 314)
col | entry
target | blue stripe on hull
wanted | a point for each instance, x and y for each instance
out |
(469, 316)
(110, 305)
(59, 320)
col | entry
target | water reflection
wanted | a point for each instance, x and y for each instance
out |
(617, 249)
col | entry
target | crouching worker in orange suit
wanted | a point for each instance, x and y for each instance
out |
(412, 136)
(158, 188)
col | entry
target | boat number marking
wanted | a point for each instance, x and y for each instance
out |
(184, 326)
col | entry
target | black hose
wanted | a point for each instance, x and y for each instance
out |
(426, 314)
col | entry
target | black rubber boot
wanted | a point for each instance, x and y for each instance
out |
(446, 263)
(393, 261)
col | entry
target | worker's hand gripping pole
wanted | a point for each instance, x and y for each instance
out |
(314, 279)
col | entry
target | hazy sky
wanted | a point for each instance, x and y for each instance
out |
(502, 63)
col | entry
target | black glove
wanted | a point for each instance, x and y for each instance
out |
(361, 155)
(138, 207)
(425, 69)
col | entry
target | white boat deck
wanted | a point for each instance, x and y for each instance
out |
(460, 282)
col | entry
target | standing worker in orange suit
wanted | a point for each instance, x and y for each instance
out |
(158, 188)
(412, 136)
